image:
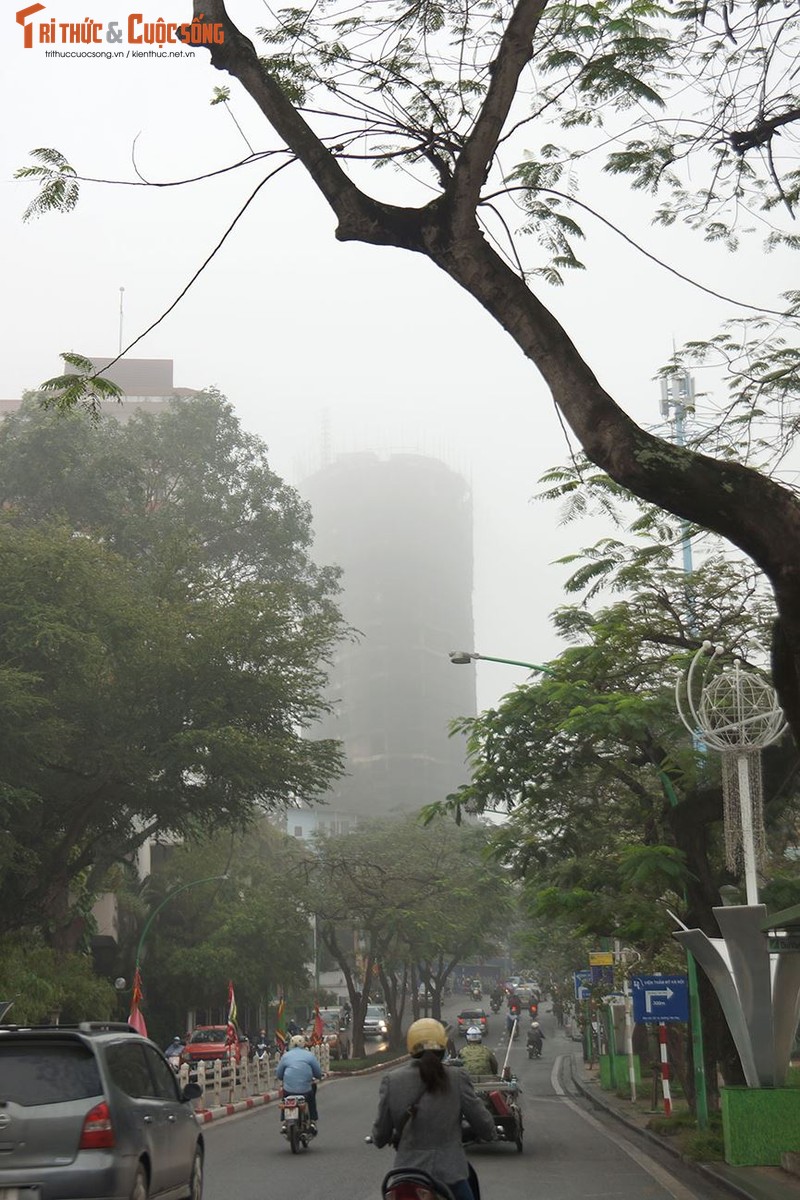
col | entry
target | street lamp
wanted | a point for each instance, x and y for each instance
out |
(169, 896)
(135, 1017)
(461, 658)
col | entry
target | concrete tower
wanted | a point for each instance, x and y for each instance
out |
(401, 530)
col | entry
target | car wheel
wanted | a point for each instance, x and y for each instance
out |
(196, 1178)
(139, 1191)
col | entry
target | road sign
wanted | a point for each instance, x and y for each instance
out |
(604, 975)
(583, 984)
(601, 958)
(660, 998)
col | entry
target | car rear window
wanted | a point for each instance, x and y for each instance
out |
(48, 1072)
(208, 1036)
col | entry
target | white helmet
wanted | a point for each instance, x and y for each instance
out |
(534, 1024)
(473, 1034)
(297, 1040)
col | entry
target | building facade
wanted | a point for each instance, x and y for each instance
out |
(400, 527)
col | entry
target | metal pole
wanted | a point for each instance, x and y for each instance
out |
(695, 1012)
(665, 1088)
(748, 841)
(629, 1037)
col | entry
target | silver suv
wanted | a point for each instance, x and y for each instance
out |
(376, 1021)
(94, 1110)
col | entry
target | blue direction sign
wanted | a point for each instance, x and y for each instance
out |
(660, 998)
(583, 983)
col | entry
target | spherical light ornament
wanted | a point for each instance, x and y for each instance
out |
(739, 709)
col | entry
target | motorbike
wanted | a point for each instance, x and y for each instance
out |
(407, 1183)
(296, 1127)
(475, 992)
(262, 1051)
(534, 1049)
(495, 1004)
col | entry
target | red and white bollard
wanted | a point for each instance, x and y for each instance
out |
(662, 1044)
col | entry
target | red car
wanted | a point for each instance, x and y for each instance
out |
(209, 1042)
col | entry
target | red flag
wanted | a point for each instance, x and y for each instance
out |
(136, 1019)
(280, 1032)
(319, 1028)
(231, 1035)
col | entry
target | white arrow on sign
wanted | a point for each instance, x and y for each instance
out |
(667, 993)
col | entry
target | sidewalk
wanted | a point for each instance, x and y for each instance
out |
(748, 1183)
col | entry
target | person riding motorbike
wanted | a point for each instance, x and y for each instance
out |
(420, 1107)
(477, 1058)
(262, 1045)
(173, 1052)
(535, 1037)
(298, 1070)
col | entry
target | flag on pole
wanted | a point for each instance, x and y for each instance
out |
(280, 1031)
(231, 1034)
(319, 1028)
(136, 1019)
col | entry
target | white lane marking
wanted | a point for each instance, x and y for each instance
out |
(667, 1181)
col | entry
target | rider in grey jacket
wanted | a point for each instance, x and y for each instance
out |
(435, 1097)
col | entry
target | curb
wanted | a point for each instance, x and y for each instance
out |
(705, 1169)
(204, 1115)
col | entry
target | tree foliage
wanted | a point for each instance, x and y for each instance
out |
(244, 928)
(162, 649)
(390, 898)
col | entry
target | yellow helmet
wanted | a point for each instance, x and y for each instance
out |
(426, 1034)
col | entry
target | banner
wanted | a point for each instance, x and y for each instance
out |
(136, 1019)
(319, 1029)
(280, 1030)
(231, 1035)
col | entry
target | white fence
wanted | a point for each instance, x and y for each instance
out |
(224, 1081)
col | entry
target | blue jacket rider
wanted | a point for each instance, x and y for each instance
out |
(297, 1070)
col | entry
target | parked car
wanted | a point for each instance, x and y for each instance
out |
(376, 1021)
(472, 1016)
(209, 1042)
(334, 1036)
(95, 1110)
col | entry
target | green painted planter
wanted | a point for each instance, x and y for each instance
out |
(614, 1072)
(759, 1125)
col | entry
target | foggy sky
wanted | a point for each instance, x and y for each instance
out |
(323, 347)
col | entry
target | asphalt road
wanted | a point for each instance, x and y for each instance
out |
(570, 1153)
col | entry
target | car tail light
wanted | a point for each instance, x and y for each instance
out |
(97, 1132)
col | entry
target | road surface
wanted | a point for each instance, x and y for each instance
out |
(570, 1153)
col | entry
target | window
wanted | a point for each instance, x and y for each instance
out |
(48, 1074)
(163, 1075)
(126, 1063)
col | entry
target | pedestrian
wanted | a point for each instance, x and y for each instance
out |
(420, 1108)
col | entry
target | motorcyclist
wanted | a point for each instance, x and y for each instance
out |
(477, 1058)
(297, 1070)
(420, 1111)
(262, 1045)
(174, 1050)
(535, 1037)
